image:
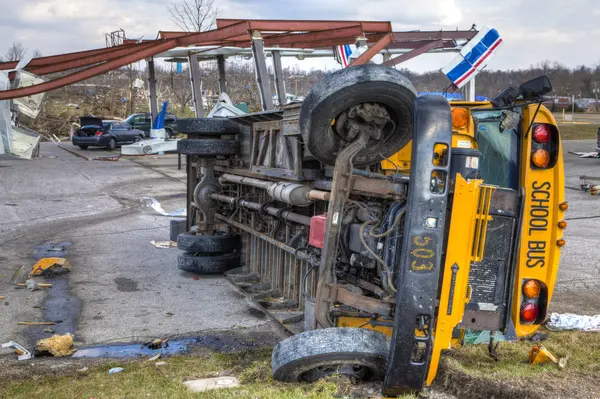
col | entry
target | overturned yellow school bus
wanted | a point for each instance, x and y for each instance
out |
(379, 226)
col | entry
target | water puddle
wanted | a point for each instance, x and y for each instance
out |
(133, 350)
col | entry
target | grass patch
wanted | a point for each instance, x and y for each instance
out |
(145, 380)
(570, 131)
(513, 372)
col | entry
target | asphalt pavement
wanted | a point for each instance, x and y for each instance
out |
(121, 288)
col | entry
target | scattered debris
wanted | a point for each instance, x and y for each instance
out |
(50, 266)
(170, 314)
(539, 337)
(83, 370)
(2, 298)
(160, 364)
(587, 187)
(115, 370)
(49, 330)
(40, 307)
(585, 154)
(209, 384)
(157, 343)
(569, 321)
(57, 345)
(23, 285)
(493, 349)
(154, 204)
(22, 353)
(164, 244)
(19, 276)
(153, 358)
(32, 285)
(36, 323)
(539, 354)
(51, 250)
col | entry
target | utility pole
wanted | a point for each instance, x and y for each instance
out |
(596, 94)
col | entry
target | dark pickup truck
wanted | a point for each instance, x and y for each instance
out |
(143, 122)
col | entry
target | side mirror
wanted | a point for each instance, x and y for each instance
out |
(506, 97)
(535, 88)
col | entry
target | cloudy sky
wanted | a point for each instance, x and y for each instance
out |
(560, 30)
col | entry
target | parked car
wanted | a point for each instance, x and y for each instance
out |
(95, 132)
(143, 122)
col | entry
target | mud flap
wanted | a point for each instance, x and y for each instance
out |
(421, 258)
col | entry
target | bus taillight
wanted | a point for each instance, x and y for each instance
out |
(529, 313)
(541, 134)
(544, 146)
(534, 302)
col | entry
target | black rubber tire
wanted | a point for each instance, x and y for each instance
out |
(208, 244)
(83, 147)
(298, 358)
(139, 138)
(208, 147)
(208, 126)
(207, 264)
(352, 86)
(112, 144)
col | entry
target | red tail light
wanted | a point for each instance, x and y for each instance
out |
(529, 313)
(541, 134)
(544, 146)
(99, 133)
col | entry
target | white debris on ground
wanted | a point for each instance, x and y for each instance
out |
(155, 204)
(569, 321)
(209, 384)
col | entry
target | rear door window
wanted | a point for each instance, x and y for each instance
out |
(499, 147)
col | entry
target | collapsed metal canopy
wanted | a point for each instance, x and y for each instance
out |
(237, 33)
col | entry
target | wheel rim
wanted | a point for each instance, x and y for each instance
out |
(354, 371)
(112, 144)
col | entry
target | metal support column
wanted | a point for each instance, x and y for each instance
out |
(262, 75)
(152, 89)
(471, 90)
(279, 83)
(196, 85)
(222, 77)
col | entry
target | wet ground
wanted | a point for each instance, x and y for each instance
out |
(121, 288)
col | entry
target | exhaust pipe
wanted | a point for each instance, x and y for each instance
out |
(290, 193)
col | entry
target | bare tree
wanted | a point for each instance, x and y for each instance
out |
(194, 15)
(15, 52)
(37, 53)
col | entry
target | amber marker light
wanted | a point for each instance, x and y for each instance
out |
(540, 158)
(562, 224)
(460, 117)
(532, 289)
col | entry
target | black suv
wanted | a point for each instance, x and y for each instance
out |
(143, 122)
